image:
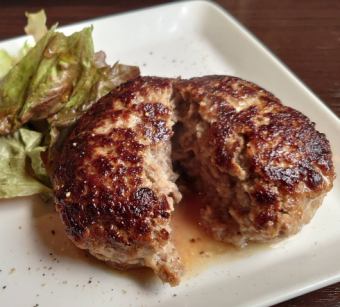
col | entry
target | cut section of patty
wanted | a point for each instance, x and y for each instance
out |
(263, 166)
(114, 184)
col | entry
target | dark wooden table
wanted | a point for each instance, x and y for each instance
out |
(305, 34)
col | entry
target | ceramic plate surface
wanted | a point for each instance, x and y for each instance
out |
(40, 266)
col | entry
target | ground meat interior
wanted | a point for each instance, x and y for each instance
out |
(192, 160)
(244, 151)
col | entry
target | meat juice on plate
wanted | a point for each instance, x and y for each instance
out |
(197, 248)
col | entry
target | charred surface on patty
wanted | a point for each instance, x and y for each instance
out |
(114, 185)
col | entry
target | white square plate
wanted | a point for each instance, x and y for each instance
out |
(186, 39)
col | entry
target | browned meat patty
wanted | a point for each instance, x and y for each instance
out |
(263, 166)
(114, 185)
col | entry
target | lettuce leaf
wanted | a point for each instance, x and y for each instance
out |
(14, 85)
(6, 63)
(36, 24)
(52, 83)
(96, 81)
(82, 48)
(18, 154)
(111, 76)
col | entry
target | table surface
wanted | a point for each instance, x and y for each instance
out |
(304, 34)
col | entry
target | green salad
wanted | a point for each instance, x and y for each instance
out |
(44, 89)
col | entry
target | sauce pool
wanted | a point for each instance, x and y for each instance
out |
(196, 247)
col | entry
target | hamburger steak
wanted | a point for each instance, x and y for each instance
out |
(262, 167)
